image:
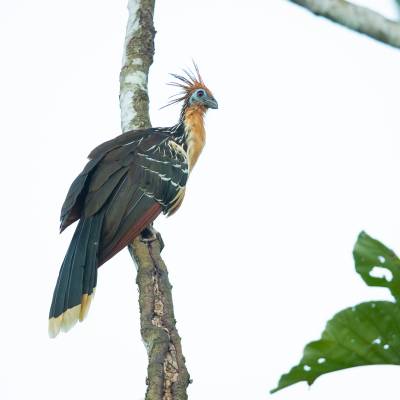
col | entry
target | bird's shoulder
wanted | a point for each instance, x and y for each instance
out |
(142, 140)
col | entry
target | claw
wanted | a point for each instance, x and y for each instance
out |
(150, 234)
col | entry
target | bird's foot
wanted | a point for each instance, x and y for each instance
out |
(150, 234)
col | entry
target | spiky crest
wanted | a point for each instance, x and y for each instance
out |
(189, 82)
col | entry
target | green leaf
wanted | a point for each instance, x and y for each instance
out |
(366, 334)
(377, 265)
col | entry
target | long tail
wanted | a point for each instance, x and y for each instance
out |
(78, 276)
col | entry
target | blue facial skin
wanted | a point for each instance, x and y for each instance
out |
(201, 96)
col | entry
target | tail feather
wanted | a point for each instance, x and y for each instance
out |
(78, 277)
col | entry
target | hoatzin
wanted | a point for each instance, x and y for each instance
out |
(126, 184)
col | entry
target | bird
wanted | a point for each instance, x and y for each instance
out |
(126, 184)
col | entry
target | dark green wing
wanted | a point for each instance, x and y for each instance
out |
(131, 179)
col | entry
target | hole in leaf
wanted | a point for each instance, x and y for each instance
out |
(307, 368)
(386, 346)
(380, 272)
(377, 341)
(381, 259)
(321, 360)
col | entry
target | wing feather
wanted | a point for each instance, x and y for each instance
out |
(122, 140)
(119, 204)
(71, 209)
(102, 173)
(130, 179)
(148, 211)
(95, 200)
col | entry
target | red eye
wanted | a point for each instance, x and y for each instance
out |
(200, 93)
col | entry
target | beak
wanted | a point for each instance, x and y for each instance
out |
(210, 102)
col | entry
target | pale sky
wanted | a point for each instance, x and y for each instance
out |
(301, 156)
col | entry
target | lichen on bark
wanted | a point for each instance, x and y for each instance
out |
(167, 376)
(137, 58)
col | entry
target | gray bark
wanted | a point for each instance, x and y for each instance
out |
(167, 376)
(136, 61)
(357, 18)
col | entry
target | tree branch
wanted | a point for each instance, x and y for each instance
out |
(357, 18)
(136, 61)
(167, 376)
(398, 6)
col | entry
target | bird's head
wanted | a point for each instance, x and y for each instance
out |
(194, 93)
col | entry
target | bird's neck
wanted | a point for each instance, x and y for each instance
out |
(194, 132)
